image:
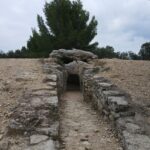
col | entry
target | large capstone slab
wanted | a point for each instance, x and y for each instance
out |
(68, 56)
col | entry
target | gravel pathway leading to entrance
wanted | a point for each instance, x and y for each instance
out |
(81, 128)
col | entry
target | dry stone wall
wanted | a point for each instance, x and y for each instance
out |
(116, 105)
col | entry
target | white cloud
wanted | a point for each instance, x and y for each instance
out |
(122, 24)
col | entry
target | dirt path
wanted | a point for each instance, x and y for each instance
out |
(81, 129)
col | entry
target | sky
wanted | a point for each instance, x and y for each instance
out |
(123, 24)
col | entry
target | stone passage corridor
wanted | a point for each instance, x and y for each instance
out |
(81, 128)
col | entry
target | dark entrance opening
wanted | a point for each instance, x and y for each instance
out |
(66, 60)
(73, 82)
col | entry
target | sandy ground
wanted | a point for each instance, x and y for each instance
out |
(81, 128)
(16, 76)
(131, 76)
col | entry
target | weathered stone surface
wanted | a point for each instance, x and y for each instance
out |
(50, 78)
(133, 128)
(74, 67)
(50, 131)
(1, 136)
(36, 102)
(105, 85)
(112, 93)
(41, 92)
(15, 126)
(136, 141)
(117, 103)
(38, 111)
(4, 145)
(43, 131)
(73, 55)
(35, 139)
(51, 84)
(53, 93)
(47, 145)
(52, 100)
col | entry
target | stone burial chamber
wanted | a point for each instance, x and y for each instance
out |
(107, 98)
(73, 61)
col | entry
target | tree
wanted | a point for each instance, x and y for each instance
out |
(145, 51)
(105, 52)
(133, 56)
(67, 26)
(123, 55)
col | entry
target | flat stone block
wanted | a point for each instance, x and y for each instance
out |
(117, 103)
(52, 84)
(112, 93)
(41, 92)
(52, 77)
(105, 85)
(35, 139)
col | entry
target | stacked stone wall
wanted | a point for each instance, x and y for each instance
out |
(116, 105)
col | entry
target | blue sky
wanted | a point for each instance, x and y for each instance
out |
(123, 24)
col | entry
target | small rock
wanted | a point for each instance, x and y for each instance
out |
(35, 139)
(1, 136)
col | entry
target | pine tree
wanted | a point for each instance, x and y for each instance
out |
(67, 26)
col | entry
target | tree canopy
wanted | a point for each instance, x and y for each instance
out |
(145, 51)
(67, 26)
